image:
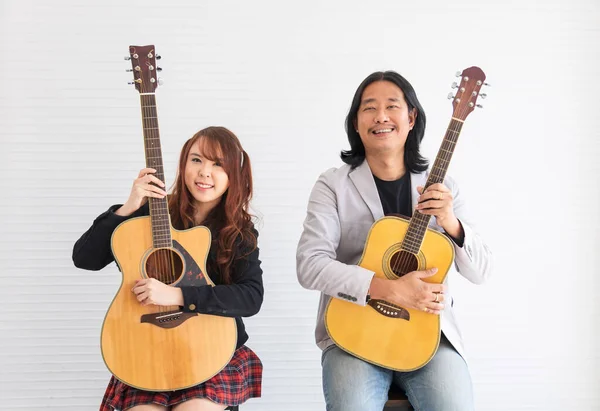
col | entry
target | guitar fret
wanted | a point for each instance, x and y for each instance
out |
(413, 237)
(412, 246)
(159, 211)
(412, 241)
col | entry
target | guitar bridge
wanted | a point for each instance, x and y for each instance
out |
(389, 310)
(170, 319)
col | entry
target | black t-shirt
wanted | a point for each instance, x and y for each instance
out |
(395, 195)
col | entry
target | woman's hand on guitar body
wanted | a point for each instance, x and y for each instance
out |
(151, 291)
(145, 185)
(410, 291)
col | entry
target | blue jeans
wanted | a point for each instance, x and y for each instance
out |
(351, 384)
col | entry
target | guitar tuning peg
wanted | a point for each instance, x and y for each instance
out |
(129, 70)
(479, 106)
(487, 84)
(454, 85)
(458, 73)
(158, 57)
(450, 96)
(158, 68)
(131, 83)
(482, 95)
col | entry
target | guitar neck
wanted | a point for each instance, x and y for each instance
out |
(159, 211)
(442, 161)
(419, 222)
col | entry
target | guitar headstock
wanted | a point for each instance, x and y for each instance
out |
(468, 91)
(143, 65)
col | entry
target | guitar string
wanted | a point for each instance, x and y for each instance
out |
(405, 257)
(403, 261)
(165, 267)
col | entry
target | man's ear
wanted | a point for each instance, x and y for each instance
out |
(412, 117)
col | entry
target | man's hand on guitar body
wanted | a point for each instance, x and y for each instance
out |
(410, 291)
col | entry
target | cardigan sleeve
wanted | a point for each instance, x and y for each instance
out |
(93, 250)
(242, 298)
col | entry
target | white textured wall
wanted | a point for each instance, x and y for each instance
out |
(282, 76)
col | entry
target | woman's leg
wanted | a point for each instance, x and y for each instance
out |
(199, 404)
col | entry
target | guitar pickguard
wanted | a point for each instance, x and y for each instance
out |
(193, 275)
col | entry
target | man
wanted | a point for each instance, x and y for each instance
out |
(384, 174)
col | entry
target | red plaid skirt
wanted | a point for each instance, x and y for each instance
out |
(240, 380)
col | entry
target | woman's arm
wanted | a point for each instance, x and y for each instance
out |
(243, 298)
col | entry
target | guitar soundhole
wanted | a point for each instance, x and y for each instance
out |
(165, 265)
(403, 262)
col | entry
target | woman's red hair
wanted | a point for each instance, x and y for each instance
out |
(230, 219)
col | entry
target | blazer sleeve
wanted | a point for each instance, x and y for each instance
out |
(242, 298)
(93, 249)
(316, 264)
(473, 259)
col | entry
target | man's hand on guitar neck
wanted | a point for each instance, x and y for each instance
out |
(437, 201)
(410, 291)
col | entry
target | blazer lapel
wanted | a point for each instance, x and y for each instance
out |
(363, 180)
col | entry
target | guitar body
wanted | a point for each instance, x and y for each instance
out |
(161, 348)
(393, 337)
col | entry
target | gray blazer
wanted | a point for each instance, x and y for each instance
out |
(343, 205)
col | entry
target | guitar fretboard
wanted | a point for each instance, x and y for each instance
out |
(419, 222)
(159, 211)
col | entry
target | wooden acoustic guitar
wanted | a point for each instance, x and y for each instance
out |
(150, 347)
(381, 332)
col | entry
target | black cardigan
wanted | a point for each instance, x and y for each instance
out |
(242, 298)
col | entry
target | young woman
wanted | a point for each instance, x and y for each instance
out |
(213, 188)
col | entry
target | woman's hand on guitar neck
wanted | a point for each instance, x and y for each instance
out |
(145, 185)
(410, 291)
